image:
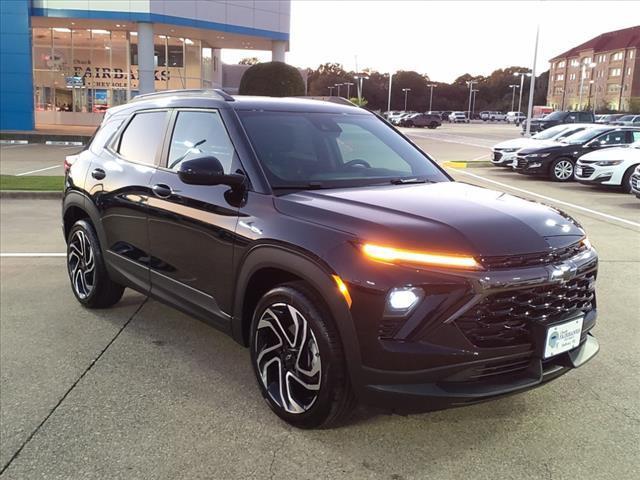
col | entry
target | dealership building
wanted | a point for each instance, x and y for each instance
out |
(66, 61)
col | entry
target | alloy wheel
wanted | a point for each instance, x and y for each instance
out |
(82, 264)
(287, 358)
(563, 170)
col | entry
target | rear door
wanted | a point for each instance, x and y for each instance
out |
(118, 183)
(191, 227)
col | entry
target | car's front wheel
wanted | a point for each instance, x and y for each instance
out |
(90, 281)
(626, 180)
(298, 359)
(561, 170)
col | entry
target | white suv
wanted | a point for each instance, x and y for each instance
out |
(458, 117)
(515, 117)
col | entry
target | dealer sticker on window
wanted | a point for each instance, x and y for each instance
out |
(563, 337)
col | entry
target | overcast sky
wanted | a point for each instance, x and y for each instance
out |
(443, 39)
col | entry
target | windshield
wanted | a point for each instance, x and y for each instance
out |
(584, 136)
(556, 116)
(550, 132)
(626, 118)
(324, 150)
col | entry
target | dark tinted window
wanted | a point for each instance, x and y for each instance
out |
(584, 117)
(614, 138)
(200, 134)
(142, 137)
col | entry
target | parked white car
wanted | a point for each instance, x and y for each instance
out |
(458, 117)
(504, 153)
(610, 166)
(635, 182)
(497, 117)
(515, 117)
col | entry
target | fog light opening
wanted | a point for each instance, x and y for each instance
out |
(403, 299)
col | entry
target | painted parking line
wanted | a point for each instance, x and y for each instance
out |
(449, 140)
(36, 171)
(31, 255)
(554, 200)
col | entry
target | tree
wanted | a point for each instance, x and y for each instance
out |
(249, 61)
(273, 79)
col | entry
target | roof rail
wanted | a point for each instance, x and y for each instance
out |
(221, 94)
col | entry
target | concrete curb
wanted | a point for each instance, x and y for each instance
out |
(474, 164)
(30, 195)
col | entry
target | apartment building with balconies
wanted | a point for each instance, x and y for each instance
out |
(600, 74)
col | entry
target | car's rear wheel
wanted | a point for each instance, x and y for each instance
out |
(561, 170)
(626, 179)
(298, 359)
(90, 281)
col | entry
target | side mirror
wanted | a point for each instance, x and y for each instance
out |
(207, 171)
(593, 144)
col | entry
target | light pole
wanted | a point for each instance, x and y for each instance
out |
(583, 74)
(389, 97)
(359, 78)
(348, 84)
(431, 87)
(331, 91)
(513, 95)
(521, 75)
(406, 92)
(338, 85)
(593, 85)
(473, 104)
(470, 83)
(532, 83)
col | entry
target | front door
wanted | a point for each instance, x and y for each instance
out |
(191, 227)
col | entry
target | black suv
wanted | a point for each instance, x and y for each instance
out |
(558, 118)
(315, 234)
(558, 159)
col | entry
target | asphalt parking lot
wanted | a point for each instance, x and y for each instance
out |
(142, 391)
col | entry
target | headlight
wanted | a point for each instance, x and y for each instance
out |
(509, 150)
(538, 155)
(390, 254)
(401, 301)
(609, 163)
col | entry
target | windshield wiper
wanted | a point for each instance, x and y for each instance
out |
(302, 186)
(405, 181)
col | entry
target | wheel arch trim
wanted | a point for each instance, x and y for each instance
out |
(318, 275)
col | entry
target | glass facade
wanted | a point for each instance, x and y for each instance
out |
(90, 70)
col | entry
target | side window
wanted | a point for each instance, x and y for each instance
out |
(635, 136)
(613, 138)
(142, 137)
(584, 116)
(200, 134)
(104, 134)
(571, 118)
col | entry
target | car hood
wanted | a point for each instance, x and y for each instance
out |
(447, 217)
(548, 146)
(614, 153)
(523, 143)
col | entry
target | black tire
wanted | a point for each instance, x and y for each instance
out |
(562, 170)
(626, 179)
(334, 399)
(88, 275)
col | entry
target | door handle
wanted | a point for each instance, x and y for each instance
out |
(161, 190)
(98, 174)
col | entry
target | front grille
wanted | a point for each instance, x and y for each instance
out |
(388, 327)
(522, 163)
(587, 171)
(504, 319)
(532, 259)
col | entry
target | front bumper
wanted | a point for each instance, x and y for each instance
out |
(502, 158)
(530, 166)
(635, 184)
(410, 395)
(590, 173)
(434, 358)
